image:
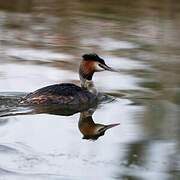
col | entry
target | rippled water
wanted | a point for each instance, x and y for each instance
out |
(41, 43)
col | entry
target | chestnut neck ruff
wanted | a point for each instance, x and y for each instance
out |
(86, 81)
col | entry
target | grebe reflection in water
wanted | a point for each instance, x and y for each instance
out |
(89, 128)
(67, 93)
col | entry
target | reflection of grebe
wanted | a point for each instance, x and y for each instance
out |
(89, 128)
(67, 93)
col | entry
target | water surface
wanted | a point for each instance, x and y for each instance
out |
(41, 43)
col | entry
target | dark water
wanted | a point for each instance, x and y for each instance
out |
(41, 43)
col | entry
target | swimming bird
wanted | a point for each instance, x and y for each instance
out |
(71, 94)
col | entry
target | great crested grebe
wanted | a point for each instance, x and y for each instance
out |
(67, 93)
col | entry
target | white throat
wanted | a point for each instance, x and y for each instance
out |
(88, 85)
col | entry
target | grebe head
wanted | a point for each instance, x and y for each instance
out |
(98, 130)
(89, 128)
(92, 63)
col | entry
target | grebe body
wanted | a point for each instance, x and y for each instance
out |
(67, 93)
(64, 93)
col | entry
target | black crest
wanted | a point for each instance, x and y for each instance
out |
(93, 57)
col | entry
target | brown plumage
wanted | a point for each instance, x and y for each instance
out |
(65, 93)
(89, 128)
(88, 67)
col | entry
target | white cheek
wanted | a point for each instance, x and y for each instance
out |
(98, 68)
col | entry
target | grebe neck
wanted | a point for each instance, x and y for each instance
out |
(86, 82)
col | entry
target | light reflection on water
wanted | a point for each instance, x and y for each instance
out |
(41, 43)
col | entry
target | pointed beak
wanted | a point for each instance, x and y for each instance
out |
(111, 126)
(107, 68)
